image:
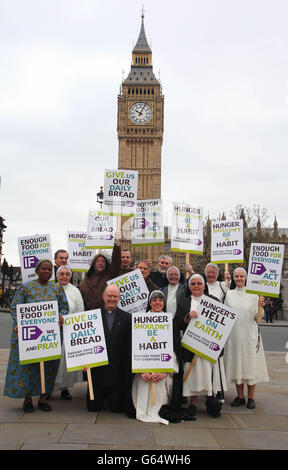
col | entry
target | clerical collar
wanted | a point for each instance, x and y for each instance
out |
(109, 311)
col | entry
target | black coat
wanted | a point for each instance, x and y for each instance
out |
(183, 308)
(180, 292)
(118, 344)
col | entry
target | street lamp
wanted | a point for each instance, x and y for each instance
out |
(100, 197)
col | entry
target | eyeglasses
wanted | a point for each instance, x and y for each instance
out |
(196, 284)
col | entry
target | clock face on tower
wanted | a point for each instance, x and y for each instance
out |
(140, 113)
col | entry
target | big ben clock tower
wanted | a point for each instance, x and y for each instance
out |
(140, 121)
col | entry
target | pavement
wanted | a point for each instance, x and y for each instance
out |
(69, 426)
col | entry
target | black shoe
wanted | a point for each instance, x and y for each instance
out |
(238, 401)
(43, 405)
(28, 406)
(251, 403)
(192, 410)
(220, 397)
(65, 395)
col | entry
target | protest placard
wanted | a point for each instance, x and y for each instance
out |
(207, 334)
(120, 191)
(147, 224)
(101, 227)
(38, 332)
(133, 291)
(152, 342)
(265, 268)
(84, 340)
(187, 228)
(227, 241)
(80, 257)
(31, 250)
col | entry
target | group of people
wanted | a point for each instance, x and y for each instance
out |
(150, 397)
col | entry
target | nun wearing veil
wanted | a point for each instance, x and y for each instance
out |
(168, 387)
(64, 379)
(174, 289)
(215, 287)
(244, 354)
(201, 377)
(218, 289)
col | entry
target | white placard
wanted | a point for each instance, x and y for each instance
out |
(32, 249)
(147, 224)
(265, 268)
(38, 332)
(187, 228)
(120, 191)
(227, 241)
(84, 340)
(152, 342)
(134, 292)
(80, 257)
(100, 229)
(207, 334)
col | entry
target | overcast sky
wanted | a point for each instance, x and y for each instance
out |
(224, 72)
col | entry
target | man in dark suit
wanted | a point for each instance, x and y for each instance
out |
(113, 382)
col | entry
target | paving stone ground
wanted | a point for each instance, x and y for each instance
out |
(70, 427)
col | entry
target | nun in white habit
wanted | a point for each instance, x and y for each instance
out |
(204, 378)
(244, 354)
(142, 384)
(65, 379)
(216, 288)
(174, 289)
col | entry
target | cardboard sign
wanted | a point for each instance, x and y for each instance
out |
(147, 224)
(32, 249)
(187, 229)
(134, 292)
(152, 342)
(79, 256)
(38, 332)
(84, 340)
(120, 191)
(207, 334)
(265, 268)
(100, 229)
(227, 241)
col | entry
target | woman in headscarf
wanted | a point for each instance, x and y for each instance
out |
(95, 281)
(174, 289)
(23, 381)
(244, 354)
(204, 378)
(166, 385)
(65, 379)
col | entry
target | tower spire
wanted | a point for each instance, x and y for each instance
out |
(142, 45)
(141, 68)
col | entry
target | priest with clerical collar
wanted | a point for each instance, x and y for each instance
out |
(113, 382)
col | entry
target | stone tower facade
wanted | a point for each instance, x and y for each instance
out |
(140, 126)
(140, 121)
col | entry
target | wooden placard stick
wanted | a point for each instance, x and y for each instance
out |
(187, 262)
(42, 377)
(118, 227)
(90, 384)
(226, 271)
(153, 392)
(260, 311)
(192, 363)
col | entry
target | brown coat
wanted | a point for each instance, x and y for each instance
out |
(94, 283)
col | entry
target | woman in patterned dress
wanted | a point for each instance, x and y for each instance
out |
(23, 381)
